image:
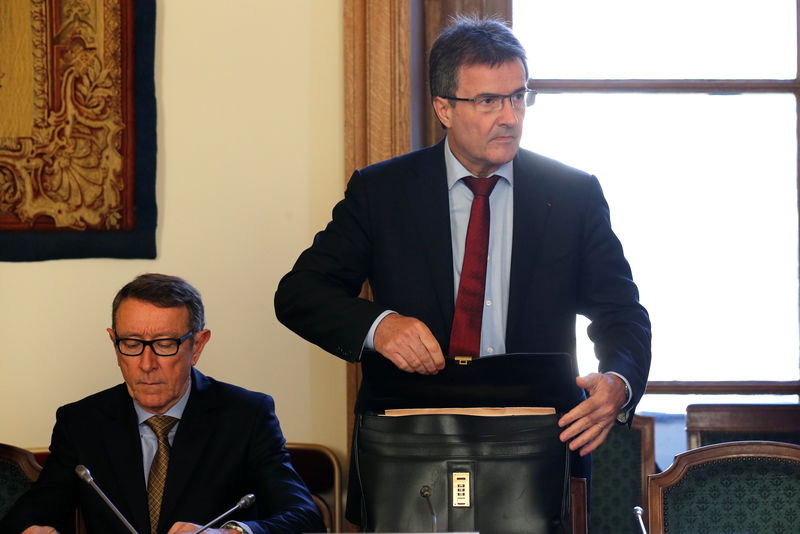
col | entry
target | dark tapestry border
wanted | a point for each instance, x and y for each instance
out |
(141, 241)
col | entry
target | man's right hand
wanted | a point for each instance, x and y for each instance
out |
(36, 529)
(409, 344)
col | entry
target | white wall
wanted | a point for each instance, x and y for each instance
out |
(250, 134)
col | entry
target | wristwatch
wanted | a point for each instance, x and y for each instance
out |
(234, 526)
(622, 416)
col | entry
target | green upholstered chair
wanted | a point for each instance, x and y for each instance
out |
(18, 470)
(741, 487)
(619, 477)
(707, 424)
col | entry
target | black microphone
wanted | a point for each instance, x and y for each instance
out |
(86, 476)
(637, 511)
(425, 492)
(245, 502)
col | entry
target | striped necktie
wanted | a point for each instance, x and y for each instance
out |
(161, 425)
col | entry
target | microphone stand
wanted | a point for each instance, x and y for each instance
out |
(84, 474)
(637, 511)
(244, 502)
(425, 492)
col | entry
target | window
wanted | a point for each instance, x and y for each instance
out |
(700, 176)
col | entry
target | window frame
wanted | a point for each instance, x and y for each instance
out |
(700, 86)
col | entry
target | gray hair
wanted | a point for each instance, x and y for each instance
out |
(163, 291)
(470, 40)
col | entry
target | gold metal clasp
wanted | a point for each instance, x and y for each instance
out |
(463, 360)
(461, 490)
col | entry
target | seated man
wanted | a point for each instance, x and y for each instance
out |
(212, 444)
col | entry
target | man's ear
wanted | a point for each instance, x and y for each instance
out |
(200, 340)
(443, 109)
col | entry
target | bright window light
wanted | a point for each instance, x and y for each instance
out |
(727, 39)
(702, 188)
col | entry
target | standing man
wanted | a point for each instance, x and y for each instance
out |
(415, 228)
(171, 447)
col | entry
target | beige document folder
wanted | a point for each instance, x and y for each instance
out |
(483, 412)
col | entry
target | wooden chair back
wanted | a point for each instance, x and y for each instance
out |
(578, 506)
(746, 486)
(707, 424)
(319, 468)
(18, 470)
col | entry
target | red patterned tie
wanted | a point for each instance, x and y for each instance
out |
(465, 337)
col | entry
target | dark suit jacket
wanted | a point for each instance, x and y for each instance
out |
(228, 444)
(393, 228)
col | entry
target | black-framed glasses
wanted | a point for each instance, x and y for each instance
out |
(490, 103)
(165, 346)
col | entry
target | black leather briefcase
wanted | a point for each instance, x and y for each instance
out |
(501, 475)
(517, 470)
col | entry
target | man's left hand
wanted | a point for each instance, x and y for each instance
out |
(587, 424)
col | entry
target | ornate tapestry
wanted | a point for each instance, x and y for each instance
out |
(77, 129)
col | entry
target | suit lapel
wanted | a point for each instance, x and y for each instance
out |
(532, 208)
(429, 202)
(189, 444)
(124, 451)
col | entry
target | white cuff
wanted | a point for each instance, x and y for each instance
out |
(242, 526)
(369, 341)
(622, 416)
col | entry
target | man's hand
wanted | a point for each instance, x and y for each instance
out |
(409, 344)
(36, 529)
(191, 527)
(589, 422)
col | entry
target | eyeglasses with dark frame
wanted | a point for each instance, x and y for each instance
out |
(165, 346)
(490, 103)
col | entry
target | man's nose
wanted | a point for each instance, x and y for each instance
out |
(148, 360)
(507, 114)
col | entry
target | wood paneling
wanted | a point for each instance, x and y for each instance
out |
(377, 99)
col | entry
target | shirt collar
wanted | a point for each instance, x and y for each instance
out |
(456, 171)
(176, 411)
